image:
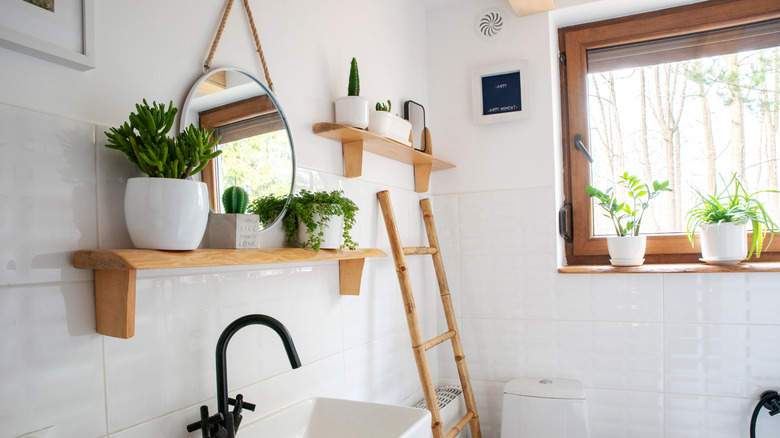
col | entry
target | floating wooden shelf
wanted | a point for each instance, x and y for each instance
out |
(671, 268)
(355, 141)
(115, 273)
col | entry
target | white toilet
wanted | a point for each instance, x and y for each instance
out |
(537, 407)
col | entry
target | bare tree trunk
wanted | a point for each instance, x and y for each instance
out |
(709, 141)
(647, 170)
(736, 109)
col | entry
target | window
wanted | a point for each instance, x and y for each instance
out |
(683, 94)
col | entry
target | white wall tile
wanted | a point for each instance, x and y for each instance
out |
(733, 298)
(51, 369)
(620, 414)
(720, 359)
(692, 416)
(446, 216)
(614, 297)
(47, 189)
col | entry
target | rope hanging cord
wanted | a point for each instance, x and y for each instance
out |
(259, 50)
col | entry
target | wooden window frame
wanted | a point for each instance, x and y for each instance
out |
(573, 42)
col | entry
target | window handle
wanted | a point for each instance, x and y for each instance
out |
(579, 145)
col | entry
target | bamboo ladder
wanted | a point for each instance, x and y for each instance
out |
(419, 346)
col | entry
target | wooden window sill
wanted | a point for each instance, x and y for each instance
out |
(671, 268)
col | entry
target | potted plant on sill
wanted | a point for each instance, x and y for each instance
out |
(233, 229)
(166, 210)
(386, 124)
(722, 218)
(352, 110)
(628, 247)
(320, 220)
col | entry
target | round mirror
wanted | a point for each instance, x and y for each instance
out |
(257, 147)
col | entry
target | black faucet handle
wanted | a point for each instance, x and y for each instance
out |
(240, 404)
(205, 422)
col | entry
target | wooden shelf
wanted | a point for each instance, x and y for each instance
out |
(671, 268)
(355, 141)
(115, 273)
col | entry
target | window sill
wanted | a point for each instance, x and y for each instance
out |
(671, 268)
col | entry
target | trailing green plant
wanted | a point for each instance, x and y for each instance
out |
(353, 88)
(633, 211)
(268, 207)
(144, 139)
(235, 200)
(383, 107)
(733, 204)
(314, 210)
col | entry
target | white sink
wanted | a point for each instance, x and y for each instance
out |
(335, 418)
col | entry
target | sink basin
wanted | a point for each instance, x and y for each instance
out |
(336, 418)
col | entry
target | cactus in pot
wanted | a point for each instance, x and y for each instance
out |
(235, 200)
(352, 110)
(353, 88)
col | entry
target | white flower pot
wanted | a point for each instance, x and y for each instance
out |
(626, 250)
(389, 125)
(166, 213)
(352, 111)
(332, 234)
(723, 243)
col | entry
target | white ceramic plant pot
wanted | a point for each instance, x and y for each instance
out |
(389, 125)
(352, 111)
(166, 213)
(626, 250)
(723, 243)
(332, 234)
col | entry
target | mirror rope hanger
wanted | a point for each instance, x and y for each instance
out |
(259, 50)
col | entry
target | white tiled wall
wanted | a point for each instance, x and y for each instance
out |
(61, 190)
(660, 355)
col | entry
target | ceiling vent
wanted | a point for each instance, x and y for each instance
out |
(490, 24)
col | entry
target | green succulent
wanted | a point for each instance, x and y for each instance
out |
(353, 88)
(383, 107)
(144, 140)
(235, 200)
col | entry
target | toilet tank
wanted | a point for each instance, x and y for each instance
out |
(536, 407)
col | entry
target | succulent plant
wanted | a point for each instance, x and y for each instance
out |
(235, 200)
(353, 88)
(144, 139)
(383, 107)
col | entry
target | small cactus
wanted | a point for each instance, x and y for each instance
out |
(383, 107)
(353, 89)
(235, 200)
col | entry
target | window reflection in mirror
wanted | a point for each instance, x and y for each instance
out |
(257, 147)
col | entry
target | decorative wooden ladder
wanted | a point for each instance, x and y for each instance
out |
(419, 346)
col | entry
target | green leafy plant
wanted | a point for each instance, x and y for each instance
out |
(633, 211)
(268, 207)
(733, 204)
(383, 107)
(144, 139)
(353, 88)
(235, 200)
(314, 210)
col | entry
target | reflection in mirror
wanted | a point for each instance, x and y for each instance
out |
(257, 147)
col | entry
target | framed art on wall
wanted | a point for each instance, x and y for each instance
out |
(58, 31)
(500, 92)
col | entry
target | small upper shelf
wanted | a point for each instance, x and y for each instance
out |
(355, 141)
(115, 273)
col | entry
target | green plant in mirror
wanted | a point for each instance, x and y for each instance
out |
(268, 207)
(382, 107)
(235, 200)
(627, 217)
(353, 88)
(314, 210)
(144, 140)
(733, 204)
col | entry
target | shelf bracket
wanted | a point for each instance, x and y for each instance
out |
(350, 274)
(353, 158)
(115, 302)
(422, 176)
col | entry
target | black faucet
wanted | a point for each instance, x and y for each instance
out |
(224, 424)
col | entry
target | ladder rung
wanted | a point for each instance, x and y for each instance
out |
(420, 250)
(461, 424)
(438, 340)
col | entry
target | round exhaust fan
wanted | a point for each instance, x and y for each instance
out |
(490, 24)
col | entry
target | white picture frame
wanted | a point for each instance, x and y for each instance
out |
(506, 96)
(64, 37)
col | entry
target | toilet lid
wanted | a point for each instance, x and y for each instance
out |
(546, 388)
